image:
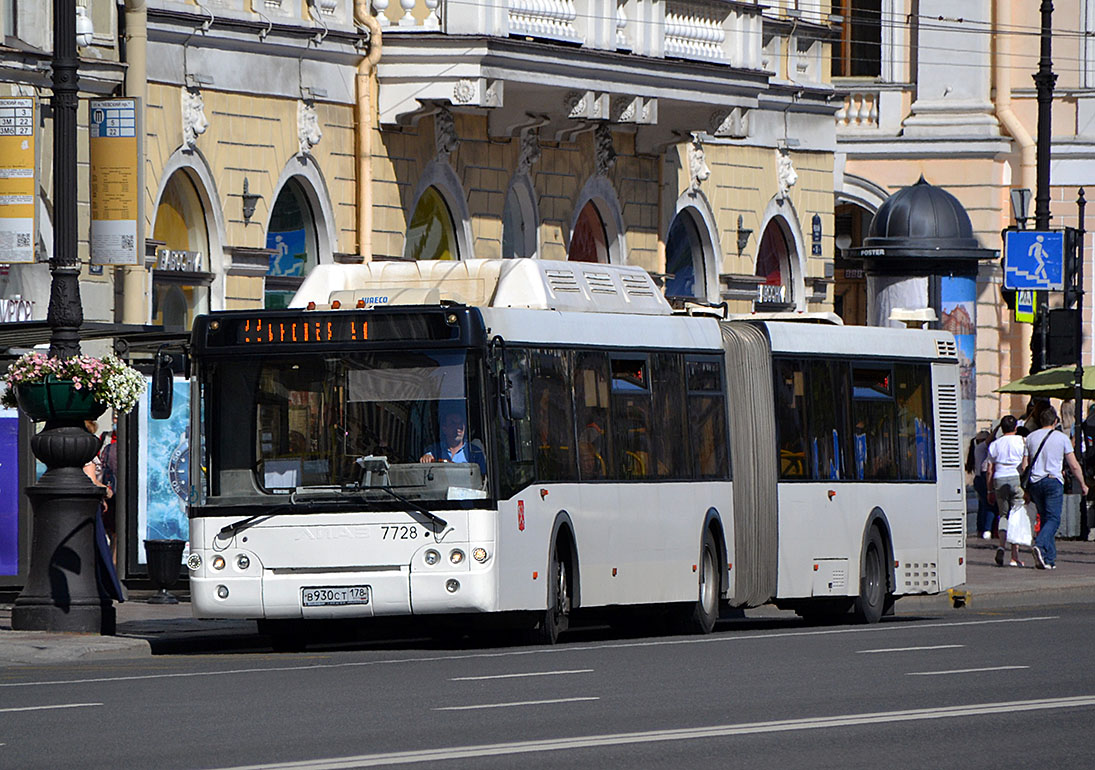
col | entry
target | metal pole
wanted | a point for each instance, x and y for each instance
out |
(1044, 79)
(62, 592)
(1081, 205)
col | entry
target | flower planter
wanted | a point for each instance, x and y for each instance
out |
(57, 400)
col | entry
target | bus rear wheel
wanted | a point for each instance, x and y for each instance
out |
(871, 602)
(556, 618)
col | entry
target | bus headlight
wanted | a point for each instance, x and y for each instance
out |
(479, 554)
(194, 561)
(242, 561)
(456, 556)
(218, 562)
(452, 586)
(431, 557)
(222, 592)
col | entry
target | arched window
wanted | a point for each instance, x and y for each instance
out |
(684, 262)
(773, 265)
(180, 284)
(589, 242)
(292, 234)
(519, 220)
(431, 234)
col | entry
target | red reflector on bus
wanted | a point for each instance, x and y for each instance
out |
(361, 303)
(535, 575)
(336, 305)
(960, 561)
(311, 306)
(815, 567)
(832, 493)
(613, 572)
(694, 568)
(729, 565)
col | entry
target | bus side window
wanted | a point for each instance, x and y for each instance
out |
(631, 416)
(514, 436)
(915, 443)
(591, 384)
(668, 440)
(873, 417)
(828, 391)
(790, 407)
(552, 420)
(706, 423)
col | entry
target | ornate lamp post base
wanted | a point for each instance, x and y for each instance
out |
(62, 592)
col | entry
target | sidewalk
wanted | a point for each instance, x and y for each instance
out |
(164, 629)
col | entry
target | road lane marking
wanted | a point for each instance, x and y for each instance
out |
(555, 650)
(520, 676)
(46, 708)
(656, 736)
(912, 649)
(963, 671)
(514, 703)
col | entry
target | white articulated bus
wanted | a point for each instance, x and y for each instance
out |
(605, 451)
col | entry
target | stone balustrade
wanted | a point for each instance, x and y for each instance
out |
(703, 30)
(859, 111)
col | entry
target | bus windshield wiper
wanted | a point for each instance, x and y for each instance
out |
(412, 508)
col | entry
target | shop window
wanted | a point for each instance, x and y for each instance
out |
(589, 243)
(858, 51)
(431, 234)
(292, 236)
(684, 259)
(181, 278)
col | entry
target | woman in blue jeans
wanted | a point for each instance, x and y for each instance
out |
(1050, 451)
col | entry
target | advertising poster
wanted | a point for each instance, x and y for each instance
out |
(958, 309)
(18, 180)
(163, 482)
(117, 236)
(9, 492)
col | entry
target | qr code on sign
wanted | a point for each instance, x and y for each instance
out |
(22, 240)
(127, 241)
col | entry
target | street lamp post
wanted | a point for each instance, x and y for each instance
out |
(61, 592)
(1044, 80)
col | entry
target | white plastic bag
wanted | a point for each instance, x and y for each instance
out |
(1019, 531)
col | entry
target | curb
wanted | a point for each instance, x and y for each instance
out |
(32, 647)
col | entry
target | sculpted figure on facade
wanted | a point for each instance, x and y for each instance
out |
(193, 116)
(786, 176)
(603, 149)
(698, 170)
(530, 150)
(444, 131)
(308, 131)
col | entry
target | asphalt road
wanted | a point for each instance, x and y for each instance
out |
(975, 690)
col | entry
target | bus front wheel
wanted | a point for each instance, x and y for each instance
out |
(871, 602)
(556, 618)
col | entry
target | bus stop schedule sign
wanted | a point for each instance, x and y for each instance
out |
(18, 180)
(116, 183)
(1034, 259)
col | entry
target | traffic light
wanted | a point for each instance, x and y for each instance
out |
(1061, 345)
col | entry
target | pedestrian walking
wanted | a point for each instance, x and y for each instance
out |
(1006, 459)
(976, 465)
(1049, 450)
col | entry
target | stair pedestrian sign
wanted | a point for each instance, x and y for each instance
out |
(1034, 259)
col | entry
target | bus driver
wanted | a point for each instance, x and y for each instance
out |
(453, 446)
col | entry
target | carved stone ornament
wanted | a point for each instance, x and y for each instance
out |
(464, 91)
(698, 170)
(193, 116)
(444, 131)
(733, 123)
(575, 104)
(602, 146)
(786, 176)
(530, 150)
(308, 131)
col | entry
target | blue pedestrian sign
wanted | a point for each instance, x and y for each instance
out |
(1034, 259)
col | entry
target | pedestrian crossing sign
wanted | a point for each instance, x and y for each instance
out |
(1034, 259)
(1025, 302)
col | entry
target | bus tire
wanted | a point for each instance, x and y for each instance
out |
(705, 611)
(871, 601)
(556, 618)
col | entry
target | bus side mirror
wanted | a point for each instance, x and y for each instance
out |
(163, 387)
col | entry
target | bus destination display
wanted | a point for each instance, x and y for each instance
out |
(335, 328)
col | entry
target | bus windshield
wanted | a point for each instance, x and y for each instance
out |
(346, 421)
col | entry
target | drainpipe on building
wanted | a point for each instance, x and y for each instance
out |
(134, 284)
(1027, 150)
(365, 68)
